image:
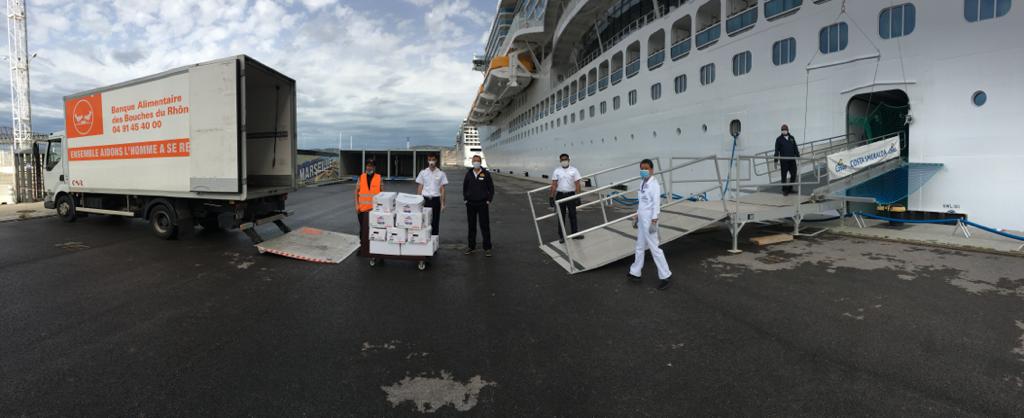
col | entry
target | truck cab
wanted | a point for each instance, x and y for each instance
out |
(54, 180)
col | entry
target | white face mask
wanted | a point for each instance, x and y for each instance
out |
(785, 132)
(565, 163)
(476, 164)
(431, 163)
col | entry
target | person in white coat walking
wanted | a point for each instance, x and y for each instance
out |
(646, 222)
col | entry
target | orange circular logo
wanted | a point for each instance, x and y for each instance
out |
(84, 116)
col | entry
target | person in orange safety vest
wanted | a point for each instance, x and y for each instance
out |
(369, 185)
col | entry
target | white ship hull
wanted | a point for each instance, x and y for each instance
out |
(939, 67)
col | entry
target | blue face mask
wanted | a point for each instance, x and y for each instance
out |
(645, 174)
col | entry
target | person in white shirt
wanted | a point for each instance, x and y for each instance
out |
(431, 182)
(646, 222)
(565, 182)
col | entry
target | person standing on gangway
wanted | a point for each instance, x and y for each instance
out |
(646, 222)
(565, 182)
(785, 146)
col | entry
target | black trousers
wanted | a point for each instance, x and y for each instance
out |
(568, 210)
(364, 233)
(435, 220)
(477, 212)
(788, 167)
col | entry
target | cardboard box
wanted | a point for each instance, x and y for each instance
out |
(379, 219)
(418, 236)
(378, 234)
(397, 235)
(384, 201)
(385, 248)
(413, 220)
(409, 203)
(424, 250)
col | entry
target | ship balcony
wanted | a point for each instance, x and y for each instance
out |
(602, 83)
(572, 98)
(680, 49)
(583, 94)
(558, 105)
(565, 103)
(633, 68)
(616, 76)
(592, 88)
(709, 36)
(655, 59)
(778, 8)
(741, 21)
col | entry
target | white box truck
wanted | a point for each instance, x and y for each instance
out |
(212, 144)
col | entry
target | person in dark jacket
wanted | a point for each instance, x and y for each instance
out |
(477, 192)
(785, 146)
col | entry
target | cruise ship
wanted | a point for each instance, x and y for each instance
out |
(607, 81)
(467, 144)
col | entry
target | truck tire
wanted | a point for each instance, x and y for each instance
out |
(66, 208)
(162, 220)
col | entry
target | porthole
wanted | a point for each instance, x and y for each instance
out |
(704, 127)
(679, 131)
(632, 137)
(979, 98)
(616, 138)
(654, 134)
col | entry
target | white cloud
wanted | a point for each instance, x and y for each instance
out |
(366, 72)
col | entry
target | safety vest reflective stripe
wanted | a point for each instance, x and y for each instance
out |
(367, 191)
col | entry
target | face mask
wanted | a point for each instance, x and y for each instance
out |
(369, 171)
(785, 132)
(565, 163)
(476, 165)
(431, 163)
(645, 174)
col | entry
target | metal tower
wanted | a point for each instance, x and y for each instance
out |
(21, 111)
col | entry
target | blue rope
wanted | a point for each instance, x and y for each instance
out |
(944, 221)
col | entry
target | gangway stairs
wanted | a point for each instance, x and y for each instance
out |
(738, 198)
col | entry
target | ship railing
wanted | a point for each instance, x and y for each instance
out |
(582, 94)
(592, 88)
(817, 152)
(741, 20)
(776, 8)
(602, 83)
(616, 76)
(655, 59)
(680, 49)
(633, 67)
(709, 35)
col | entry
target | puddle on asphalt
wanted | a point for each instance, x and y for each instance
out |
(430, 394)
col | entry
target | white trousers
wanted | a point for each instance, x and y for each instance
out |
(644, 241)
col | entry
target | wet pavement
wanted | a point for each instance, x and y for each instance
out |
(99, 318)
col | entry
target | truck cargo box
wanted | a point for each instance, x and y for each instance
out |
(221, 130)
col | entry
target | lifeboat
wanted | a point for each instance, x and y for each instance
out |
(508, 75)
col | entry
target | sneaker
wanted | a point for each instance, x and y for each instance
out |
(469, 251)
(561, 240)
(578, 238)
(664, 284)
(633, 278)
(487, 253)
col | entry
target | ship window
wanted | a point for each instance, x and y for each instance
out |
(655, 91)
(979, 98)
(582, 115)
(707, 74)
(616, 103)
(592, 110)
(632, 97)
(975, 10)
(573, 118)
(680, 83)
(784, 51)
(604, 107)
(741, 63)
(897, 21)
(833, 38)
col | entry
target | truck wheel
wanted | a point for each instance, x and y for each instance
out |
(66, 208)
(161, 219)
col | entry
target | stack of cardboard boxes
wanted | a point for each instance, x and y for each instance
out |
(400, 225)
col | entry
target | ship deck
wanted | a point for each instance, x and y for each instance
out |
(100, 318)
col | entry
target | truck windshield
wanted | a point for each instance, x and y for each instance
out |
(53, 155)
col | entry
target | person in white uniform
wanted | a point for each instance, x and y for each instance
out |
(565, 182)
(431, 182)
(646, 221)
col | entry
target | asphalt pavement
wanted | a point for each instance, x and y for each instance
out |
(100, 318)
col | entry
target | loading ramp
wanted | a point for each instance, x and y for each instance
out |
(737, 198)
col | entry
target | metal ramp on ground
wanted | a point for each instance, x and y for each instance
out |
(737, 199)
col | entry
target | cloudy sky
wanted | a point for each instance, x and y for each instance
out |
(380, 70)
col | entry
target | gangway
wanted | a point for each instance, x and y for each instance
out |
(737, 198)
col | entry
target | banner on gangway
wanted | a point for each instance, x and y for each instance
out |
(845, 163)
